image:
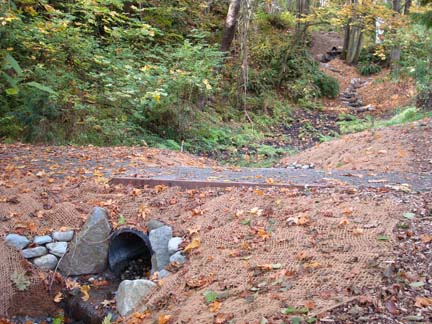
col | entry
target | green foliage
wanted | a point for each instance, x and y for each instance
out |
(372, 60)
(210, 296)
(329, 86)
(351, 124)
(85, 72)
(368, 68)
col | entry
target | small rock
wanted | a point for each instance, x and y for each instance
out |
(46, 262)
(57, 248)
(154, 224)
(130, 295)
(356, 310)
(17, 241)
(34, 252)
(63, 236)
(178, 257)
(159, 239)
(164, 273)
(173, 244)
(41, 240)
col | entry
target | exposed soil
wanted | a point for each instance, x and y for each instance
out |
(323, 42)
(396, 149)
(308, 127)
(379, 90)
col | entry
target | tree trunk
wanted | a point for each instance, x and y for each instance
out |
(396, 5)
(346, 41)
(407, 6)
(396, 50)
(355, 44)
(302, 9)
(230, 25)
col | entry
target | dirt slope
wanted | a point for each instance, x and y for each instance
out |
(399, 148)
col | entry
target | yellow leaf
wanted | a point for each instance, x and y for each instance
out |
(85, 291)
(263, 233)
(163, 319)
(312, 265)
(192, 245)
(215, 306)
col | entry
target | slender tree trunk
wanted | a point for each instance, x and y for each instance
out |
(353, 39)
(396, 50)
(230, 25)
(407, 6)
(302, 9)
(396, 5)
(346, 41)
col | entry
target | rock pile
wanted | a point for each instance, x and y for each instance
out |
(351, 98)
(43, 251)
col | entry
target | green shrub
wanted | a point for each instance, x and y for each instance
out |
(368, 68)
(328, 85)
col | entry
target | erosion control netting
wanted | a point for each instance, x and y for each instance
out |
(339, 251)
(320, 259)
(21, 216)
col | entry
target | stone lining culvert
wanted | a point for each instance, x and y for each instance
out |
(126, 245)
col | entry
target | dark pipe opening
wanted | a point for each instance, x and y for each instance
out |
(130, 250)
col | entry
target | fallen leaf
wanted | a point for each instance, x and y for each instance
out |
(107, 303)
(192, 245)
(358, 231)
(426, 238)
(263, 233)
(309, 304)
(269, 266)
(20, 280)
(223, 318)
(58, 298)
(312, 265)
(215, 306)
(423, 302)
(163, 319)
(85, 291)
(391, 307)
(71, 284)
(343, 222)
(256, 211)
(259, 192)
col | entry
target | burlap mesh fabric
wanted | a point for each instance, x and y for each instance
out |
(230, 252)
(11, 261)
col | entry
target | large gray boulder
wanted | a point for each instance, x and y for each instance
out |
(159, 239)
(46, 262)
(16, 241)
(130, 295)
(88, 253)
